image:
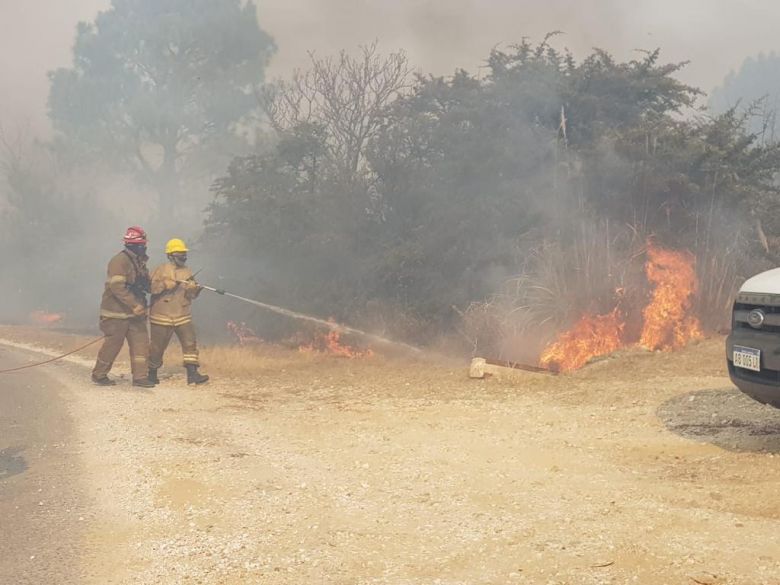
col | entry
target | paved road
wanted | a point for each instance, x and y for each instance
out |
(40, 503)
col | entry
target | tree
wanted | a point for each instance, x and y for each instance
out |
(308, 204)
(161, 88)
(546, 172)
(346, 95)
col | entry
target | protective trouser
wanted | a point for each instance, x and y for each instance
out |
(116, 331)
(161, 336)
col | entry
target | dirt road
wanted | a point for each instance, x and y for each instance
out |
(644, 468)
(41, 504)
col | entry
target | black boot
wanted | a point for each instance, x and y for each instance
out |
(153, 376)
(104, 381)
(194, 376)
(143, 383)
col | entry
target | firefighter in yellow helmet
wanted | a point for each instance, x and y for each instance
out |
(173, 290)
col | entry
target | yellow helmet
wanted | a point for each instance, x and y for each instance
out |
(175, 245)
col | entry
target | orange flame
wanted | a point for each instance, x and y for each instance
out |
(592, 336)
(667, 321)
(330, 344)
(45, 318)
(243, 333)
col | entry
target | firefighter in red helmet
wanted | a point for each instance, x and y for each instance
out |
(123, 311)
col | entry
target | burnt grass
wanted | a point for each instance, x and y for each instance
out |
(724, 417)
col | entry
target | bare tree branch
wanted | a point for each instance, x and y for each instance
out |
(345, 94)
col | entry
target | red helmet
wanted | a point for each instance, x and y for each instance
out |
(135, 235)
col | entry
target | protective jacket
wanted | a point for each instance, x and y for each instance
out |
(171, 298)
(126, 286)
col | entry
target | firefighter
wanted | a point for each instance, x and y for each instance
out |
(123, 311)
(173, 290)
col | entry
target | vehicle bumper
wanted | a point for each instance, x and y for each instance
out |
(763, 386)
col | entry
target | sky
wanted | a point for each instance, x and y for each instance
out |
(438, 35)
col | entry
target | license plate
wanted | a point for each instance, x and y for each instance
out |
(747, 358)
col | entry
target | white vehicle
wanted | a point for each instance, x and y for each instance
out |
(753, 347)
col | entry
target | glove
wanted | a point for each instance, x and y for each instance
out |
(191, 286)
(139, 311)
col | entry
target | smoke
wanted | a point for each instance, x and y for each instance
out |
(35, 37)
(55, 222)
(439, 36)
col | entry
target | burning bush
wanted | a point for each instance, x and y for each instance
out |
(591, 336)
(583, 278)
(330, 343)
(667, 320)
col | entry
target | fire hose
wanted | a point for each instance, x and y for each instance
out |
(332, 325)
(273, 308)
(54, 359)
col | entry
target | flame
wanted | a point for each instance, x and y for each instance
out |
(243, 333)
(592, 336)
(45, 318)
(330, 344)
(667, 322)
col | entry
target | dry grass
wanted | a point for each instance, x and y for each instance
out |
(592, 270)
(220, 361)
(595, 269)
(278, 366)
(257, 360)
(722, 266)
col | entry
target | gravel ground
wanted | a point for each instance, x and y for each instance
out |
(641, 468)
